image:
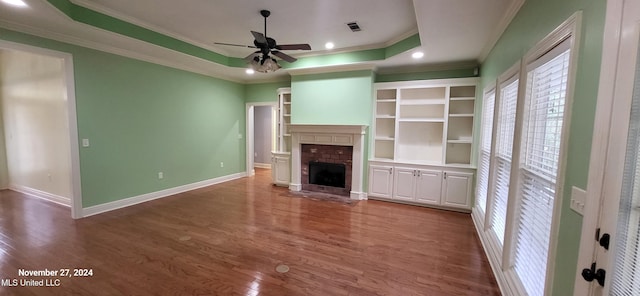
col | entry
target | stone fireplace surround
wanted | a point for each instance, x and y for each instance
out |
(339, 135)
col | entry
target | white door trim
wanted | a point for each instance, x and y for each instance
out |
(600, 142)
(250, 139)
(76, 189)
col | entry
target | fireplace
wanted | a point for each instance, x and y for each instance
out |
(326, 168)
(331, 144)
(326, 174)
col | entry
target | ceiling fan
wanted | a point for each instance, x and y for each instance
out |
(260, 60)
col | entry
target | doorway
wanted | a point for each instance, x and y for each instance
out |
(261, 135)
(39, 128)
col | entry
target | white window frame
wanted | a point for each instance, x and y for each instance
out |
(502, 263)
(478, 211)
(495, 246)
(567, 30)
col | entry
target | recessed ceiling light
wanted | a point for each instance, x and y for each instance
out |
(329, 45)
(18, 3)
(250, 71)
(417, 55)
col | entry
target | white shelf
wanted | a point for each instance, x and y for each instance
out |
(386, 101)
(385, 116)
(286, 103)
(414, 102)
(421, 120)
(459, 141)
(286, 115)
(463, 99)
(286, 135)
(460, 115)
(385, 138)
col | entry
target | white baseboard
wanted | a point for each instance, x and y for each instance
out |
(262, 165)
(358, 195)
(65, 201)
(122, 203)
(495, 265)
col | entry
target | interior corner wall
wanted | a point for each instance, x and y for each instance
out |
(142, 118)
(35, 120)
(533, 22)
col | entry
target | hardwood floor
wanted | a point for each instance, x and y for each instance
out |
(228, 239)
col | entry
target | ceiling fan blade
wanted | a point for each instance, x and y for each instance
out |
(284, 56)
(231, 44)
(293, 47)
(259, 37)
(250, 57)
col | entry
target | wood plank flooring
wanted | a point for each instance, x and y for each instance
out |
(228, 239)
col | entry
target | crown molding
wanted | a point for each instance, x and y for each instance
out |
(118, 51)
(428, 68)
(127, 18)
(333, 69)
(511, 13)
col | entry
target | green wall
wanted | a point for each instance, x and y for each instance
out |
(534, 21)
(332, 98)
(142, 118)
(264, 92)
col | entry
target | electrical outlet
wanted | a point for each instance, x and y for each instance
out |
(160, 175)
(85, 142)
(221, 164)
(239, 136)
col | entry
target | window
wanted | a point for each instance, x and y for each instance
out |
(485, 150)
(505, 124)
(539, 164)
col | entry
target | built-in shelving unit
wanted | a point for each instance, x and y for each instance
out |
(280, 158)
(425, 122)
(423, 142)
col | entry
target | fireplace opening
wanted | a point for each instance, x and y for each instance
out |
(327, 174)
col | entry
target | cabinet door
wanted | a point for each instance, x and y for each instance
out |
(404, 184)
(380, 180)
(282, 174)
(429, 186)
(456, 191)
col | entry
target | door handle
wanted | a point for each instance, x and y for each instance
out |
(590, 274)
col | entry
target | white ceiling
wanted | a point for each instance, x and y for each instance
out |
(451, 31)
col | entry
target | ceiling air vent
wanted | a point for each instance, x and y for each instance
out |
(354, 27)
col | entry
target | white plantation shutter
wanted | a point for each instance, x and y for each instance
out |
(485, 150)
(626, 276)
(502, 160)
(539, 164)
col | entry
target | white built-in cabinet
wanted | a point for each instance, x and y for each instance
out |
(423, 132)
(281, 157)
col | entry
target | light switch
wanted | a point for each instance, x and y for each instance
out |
(239, 136)
(85, 142)
(578, 200)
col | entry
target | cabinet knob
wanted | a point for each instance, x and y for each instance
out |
(445, 175)
(390, 170)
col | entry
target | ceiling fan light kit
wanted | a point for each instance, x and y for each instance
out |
(264, 65)
(260, 61)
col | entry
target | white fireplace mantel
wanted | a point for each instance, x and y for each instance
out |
(323, 134)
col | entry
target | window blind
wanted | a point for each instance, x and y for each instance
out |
(502, 161)
(539, 158)
(626, 274)
(485, 150)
